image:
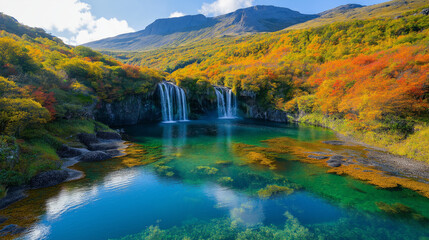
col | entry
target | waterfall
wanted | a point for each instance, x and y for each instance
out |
(173, 102)
(226, 102)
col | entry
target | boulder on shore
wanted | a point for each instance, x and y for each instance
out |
(109, 135)
(69, 152)
(104, 146)
(88, 139)
(48, 179)
(95, 156)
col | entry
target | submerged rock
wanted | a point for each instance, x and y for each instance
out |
(425, 11)
(318, 157)
(334, 164)
(336, 143)
(95, 156)
(335, 161)
(11, 229)
(2, 219)
(48, 179)
(12, 196)
(337, 158)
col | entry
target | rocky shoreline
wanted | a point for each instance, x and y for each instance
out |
(99, 147)
(394, 164)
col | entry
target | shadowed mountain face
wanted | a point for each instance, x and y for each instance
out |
(181, 24)
(173, 32)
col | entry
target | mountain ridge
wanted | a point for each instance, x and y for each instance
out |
(170, 32)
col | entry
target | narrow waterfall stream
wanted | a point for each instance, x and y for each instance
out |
(226, 103)
(173, 102)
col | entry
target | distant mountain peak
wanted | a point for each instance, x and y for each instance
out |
(341, 9)
(171, 32)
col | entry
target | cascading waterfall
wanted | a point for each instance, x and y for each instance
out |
(226, 103)
(173, 102)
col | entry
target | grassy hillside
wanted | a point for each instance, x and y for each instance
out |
(48, 91)
(368, 78)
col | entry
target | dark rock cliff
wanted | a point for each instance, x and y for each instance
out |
(131, 110)
(135, 109)
(248, 104)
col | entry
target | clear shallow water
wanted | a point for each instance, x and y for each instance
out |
(198, 186)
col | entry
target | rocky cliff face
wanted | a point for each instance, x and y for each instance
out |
(272, 115)
(132, 110)
(136, 109)
(248, 104)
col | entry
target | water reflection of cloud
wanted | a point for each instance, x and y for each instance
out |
(120, 179)
(242, 209)
(38, 232)
(68, 199)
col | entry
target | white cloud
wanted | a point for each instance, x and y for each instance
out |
(176, 14)
(220, 7)
(67, 17)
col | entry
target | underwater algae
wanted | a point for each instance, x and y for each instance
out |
(226, 228)
(274, 190)
(255, 155)
(206, 170)
(401, 210)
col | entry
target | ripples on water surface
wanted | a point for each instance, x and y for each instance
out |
(195, 180)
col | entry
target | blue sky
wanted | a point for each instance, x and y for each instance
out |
(80, 21)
